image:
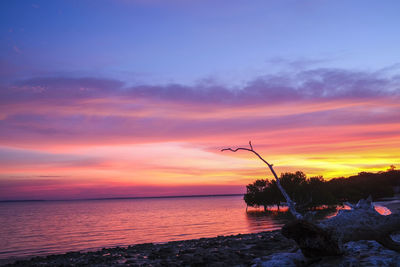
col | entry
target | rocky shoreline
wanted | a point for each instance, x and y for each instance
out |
(240, 250)
(259, 249)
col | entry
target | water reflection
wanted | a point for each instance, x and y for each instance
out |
(259, 220)
(40, 228)
(274, 219)
(378, 207)
(382, 210)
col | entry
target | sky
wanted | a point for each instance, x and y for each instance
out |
(132, 98)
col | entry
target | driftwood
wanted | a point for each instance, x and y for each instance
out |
(326, 238)
(361, 222)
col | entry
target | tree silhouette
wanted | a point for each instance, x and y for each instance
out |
(311, 193)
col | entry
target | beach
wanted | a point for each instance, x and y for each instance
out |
(260, 249)
(233, 250)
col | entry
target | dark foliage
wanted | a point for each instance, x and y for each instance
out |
(314, 192)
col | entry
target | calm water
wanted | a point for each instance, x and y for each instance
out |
(39, 228)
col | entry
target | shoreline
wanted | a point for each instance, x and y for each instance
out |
(259, 249)
(231, 250)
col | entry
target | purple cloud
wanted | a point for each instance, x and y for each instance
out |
(311, 84)
(58, 89)
(85, 110)
(21, 157)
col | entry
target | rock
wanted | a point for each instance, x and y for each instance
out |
(280, 259)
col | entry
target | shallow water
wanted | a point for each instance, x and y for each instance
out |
(40, 228)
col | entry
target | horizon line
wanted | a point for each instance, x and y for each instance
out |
(118, 198)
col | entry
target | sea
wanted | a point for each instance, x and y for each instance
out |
(33, 228)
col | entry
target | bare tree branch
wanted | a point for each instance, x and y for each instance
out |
(289, 201)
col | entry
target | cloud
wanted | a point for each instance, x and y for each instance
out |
(94, 110)
(317, 84)
(297, 64)
(311, 84)
(59, 89)
(11, 158)
(326, 83)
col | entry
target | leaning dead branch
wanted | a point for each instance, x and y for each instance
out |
(291, 204)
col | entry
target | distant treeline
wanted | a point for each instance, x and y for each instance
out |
(310, 193)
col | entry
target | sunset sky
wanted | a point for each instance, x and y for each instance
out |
(131, 98)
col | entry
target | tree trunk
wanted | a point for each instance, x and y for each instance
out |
(313, 240)
(362, 222)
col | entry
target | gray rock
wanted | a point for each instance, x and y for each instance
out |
(281, 259)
